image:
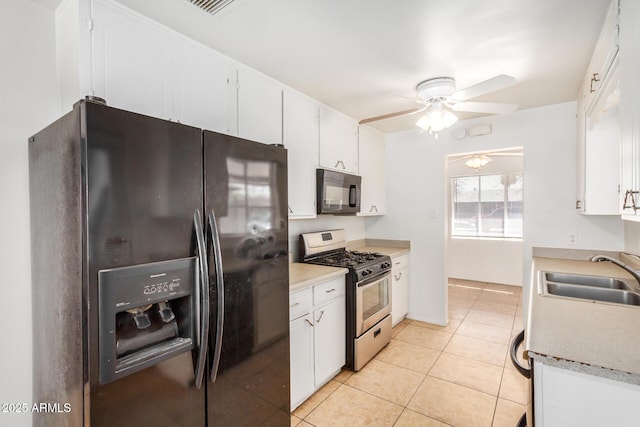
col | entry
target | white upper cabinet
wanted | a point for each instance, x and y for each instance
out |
(300, 138)
(140, 66)
(259, 107)
(604, 55)
(131, 61)
(203, 88)
(371, 165)
(630, 109)
(598, 130)
(338, 141)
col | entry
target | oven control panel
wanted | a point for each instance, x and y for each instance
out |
(373, 270)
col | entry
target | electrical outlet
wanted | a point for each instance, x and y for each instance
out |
(573, 238)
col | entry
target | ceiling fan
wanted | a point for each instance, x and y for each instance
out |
(439, 98)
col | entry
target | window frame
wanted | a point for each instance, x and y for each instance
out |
(505, 207)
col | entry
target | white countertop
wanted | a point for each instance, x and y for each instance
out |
(592, 333)
(303, 275)
(385, 250)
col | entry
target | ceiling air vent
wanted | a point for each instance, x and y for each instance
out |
(211, 6)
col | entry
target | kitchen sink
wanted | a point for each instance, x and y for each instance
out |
(617, 296)
(592, 281)
(595, 288)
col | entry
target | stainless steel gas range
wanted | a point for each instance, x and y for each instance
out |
(368, 285)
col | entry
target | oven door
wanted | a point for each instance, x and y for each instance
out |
(373, 301)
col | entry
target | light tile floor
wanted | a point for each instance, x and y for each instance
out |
(431, 375)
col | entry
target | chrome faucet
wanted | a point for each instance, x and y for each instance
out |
(635, 273)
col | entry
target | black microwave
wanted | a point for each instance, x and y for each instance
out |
(337, 193)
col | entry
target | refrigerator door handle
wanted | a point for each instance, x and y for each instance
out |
(217, 260)
(203, 319)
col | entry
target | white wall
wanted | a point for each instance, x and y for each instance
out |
(416, 167)
(27, 104)
(486, 260)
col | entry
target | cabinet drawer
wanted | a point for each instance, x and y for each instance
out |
(399, 262)
(300, 303)
(327, 291)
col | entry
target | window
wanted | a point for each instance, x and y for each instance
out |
(487, 206)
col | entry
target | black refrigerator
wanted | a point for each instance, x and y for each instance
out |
(159, 274)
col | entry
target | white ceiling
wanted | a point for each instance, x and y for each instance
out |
(365, 57)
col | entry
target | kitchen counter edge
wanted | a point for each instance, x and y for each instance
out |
(590, 337)
(302, 275)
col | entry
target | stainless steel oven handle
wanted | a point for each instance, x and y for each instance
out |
(513, 352)
(372, 280)
(203, 318)
(217, 260)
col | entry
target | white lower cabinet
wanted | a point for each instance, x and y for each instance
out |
(567, 398)
(302, 357)
(317, 337)
(399, 288)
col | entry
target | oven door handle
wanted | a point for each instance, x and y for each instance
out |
(372, 280)
(513, 352)
(203, 291)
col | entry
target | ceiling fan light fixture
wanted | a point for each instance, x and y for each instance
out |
(436, 118)
(477, 162)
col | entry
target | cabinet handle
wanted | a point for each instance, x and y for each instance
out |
(373, 207)
(310, 324)
(293, 305)
(398, 276)
(321, 314)
(630, 200)
(594, 79)
(340, 162)
(330, 290)
(290, 210)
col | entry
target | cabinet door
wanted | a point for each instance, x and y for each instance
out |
(399, 288)
(629, 105)
(567, 398)
(300, 137)
(203, 88)
(329, 331)
(259, 107)
(602, 166)
(604, 53)
(131, 61)
(301, 353)
(338, 141)
(372, 170)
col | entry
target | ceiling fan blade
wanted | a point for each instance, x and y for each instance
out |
(498, 82)
(390, 115)
(484, 107)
